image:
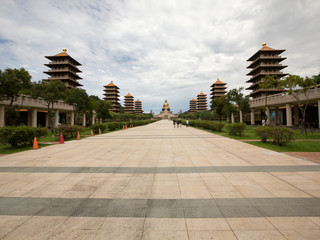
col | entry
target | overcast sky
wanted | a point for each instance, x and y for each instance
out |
(157, 49)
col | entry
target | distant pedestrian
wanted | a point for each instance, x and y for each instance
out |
(177, 123)
(187, 123)
(180, 122)
(174, 123)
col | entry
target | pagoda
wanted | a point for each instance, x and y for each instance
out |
(265, 62)
(193, 106)
(202, 102)
(63, 68)
(138, 107)
(112, 95)
(218, 89)
(128, 104)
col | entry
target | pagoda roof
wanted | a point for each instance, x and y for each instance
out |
(63, 54)
(265, 49)
(111, 84)
(201, 93)
(138, 100)
(128, 95)
(193, 100)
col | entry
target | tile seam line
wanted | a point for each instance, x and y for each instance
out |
(271, 175)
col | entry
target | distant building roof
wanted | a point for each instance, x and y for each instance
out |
(202, 93)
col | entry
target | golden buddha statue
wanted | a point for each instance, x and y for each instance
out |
(166, 106)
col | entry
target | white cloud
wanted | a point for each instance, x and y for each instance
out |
(159, 50)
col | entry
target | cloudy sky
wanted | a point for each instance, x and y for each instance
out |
(158, 49)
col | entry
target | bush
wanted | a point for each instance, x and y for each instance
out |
(236, 129)
(95, 127)
(67, 130)
(263, 133)
(20, 135)
(216, 126)
(281, 135)
(113, 126)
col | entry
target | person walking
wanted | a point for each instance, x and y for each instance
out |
(174, 123)
(177, 123)
(180, 122)
(187, 123)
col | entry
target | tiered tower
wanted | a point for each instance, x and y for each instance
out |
(202, 102)
(193, 106)
(128, 103)
(112, 95)
(265, 62)
(218, 89)
(138, 107)
(63, 68)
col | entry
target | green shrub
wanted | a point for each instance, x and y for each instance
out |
(113, 126)
(95, 127)
(20, 135)
(263, 132)
(236, 129)
(216, 126)
(67, 130)
(281, 135)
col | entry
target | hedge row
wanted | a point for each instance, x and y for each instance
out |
(67, 131)
(279, 135)
(209, 125)
(112, 126)
(236, 129)
(20, 135)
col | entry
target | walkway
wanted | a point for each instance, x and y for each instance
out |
(157, 182)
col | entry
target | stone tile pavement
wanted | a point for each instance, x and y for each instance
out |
(158, 182)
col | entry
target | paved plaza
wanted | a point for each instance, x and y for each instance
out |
(158, 182)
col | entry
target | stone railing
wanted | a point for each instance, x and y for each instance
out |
(28, 102)
(284, 98)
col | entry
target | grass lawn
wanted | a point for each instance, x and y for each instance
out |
(7, 149)
(301, 146)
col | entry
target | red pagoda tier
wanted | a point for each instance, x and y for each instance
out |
(63, 68)
(138, 107)
(112, 95)
(265, 62)
(193, 106)
(218, 89)
(128, 104)
(202, 102)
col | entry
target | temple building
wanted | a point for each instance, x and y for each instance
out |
(264, 62)
(218, 89)
(63, 68)
(138, 107)
(202, 102)
(112, 95)
(128, 103)
(193, 106)
(166, 113)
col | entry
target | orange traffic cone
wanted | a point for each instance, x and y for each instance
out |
(61, 139)
(78, 136)
(35, 143)
(92, 133)
(99, 131)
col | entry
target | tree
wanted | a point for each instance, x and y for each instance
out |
(267, 83)
(80, 100)
(316, 78)
(221, 105)
(50, 92)
(236, 97)
(299, 89)
(12, 84)
(102, 110)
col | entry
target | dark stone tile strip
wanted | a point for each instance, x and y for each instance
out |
(161, 208)
(300, 168)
